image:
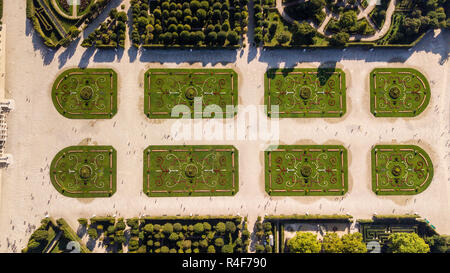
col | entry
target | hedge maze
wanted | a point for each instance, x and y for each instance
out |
(170, 93)
(86, 93)
(306, 170)
(400, 170)
(305, 93)
(398, 92)
(175, 23)
(85, 171)
(191, 171)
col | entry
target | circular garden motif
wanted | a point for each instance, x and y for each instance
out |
(398, 92)
(305, 93)
(171, 92)
(400, 170)
(85, 171)
(306, 170)
(191, 171)
(86, 93)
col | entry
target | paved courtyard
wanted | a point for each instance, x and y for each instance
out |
(37, 131)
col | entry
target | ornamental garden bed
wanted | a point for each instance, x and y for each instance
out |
(400, 170)
(191, 171)
(86, 93)
(398, 92)
(85, 171)
(58, 23)
(175, 93)
(305, 93)
(306, 170)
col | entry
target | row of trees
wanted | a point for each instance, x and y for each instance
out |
(306, 242)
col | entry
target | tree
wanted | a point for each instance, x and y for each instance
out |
(283, 37)
(167, 228)
(348, 20)
(230, 227)
(211, 249)
(219, 242)
(173, 237)
(353, 243)
(340, 39)
(40, 235)
(198, 228)
(331, 243)
(406, 243)
(437, 243)
(227, 249)
(304, 242)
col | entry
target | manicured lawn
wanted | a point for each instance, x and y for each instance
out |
(306, 170)
(86, 93)
(398, 92)
(173, 93)
(85, 171)
(400, 170)
(191, 171)
(305, 92)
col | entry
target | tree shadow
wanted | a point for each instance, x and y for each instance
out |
(436, 44)
(204, 56)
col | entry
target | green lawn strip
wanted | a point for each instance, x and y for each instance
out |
(398, 92)
(306, 92)
(306, 170)
(86, 93)
(400, 170)
(85, 171)
(178, 91)
(191, 171)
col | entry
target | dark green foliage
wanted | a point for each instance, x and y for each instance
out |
(172, 23)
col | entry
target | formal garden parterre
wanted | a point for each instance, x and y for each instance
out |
(191, 171)
(85, 171)
(398, 92)
(59, 23)
(324, 23)
(181, 93)
(305, 93)
(86, 93)
(400, 170)
(177, 23)
(306, 170)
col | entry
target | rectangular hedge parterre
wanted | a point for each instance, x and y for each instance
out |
(191, 171)
(86, 93)
(192, 93)
(180, 23)
(398, 92)
(306, 170)
(305, 93)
